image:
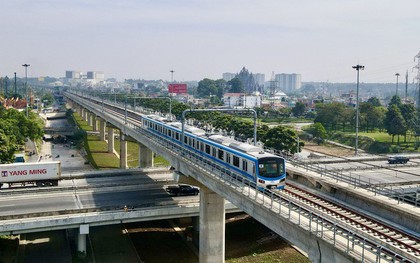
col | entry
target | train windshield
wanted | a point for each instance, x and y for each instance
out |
(271, 167)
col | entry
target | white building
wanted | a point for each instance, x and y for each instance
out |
(288, 82)
(96, 75)
(241, 100)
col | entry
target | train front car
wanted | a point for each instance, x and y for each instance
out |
(271, 172)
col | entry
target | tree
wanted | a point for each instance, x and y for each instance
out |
(235, 85)
(206, 87)
(332, 114)
(47, 99)
(394, 122)
(318, 130)
(247, 80)
(395, 100)
(282, 139)
(299, 109)
(409, 114)
(374, 101)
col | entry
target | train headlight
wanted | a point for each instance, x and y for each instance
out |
(261, 181)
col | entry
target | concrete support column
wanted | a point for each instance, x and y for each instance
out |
(89, 118)
(123, 151)
(145, 156)
(82, 112)
(102, 130)
(196, 231)
(110, 140)
(94, 123)
(81, 239)
(85, 115)
(212, 227)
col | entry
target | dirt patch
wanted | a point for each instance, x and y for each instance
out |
(246, 241)
(328, 149)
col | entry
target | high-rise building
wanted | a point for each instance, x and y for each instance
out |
(73, 74)
(288, 82)
(228, 76)
(259, 79)
(96, 75)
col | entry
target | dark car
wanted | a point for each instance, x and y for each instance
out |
(182, 189)
(398, 159)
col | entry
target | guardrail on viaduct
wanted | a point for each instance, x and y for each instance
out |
(310, 231)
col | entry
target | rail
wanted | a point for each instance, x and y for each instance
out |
(334, 231)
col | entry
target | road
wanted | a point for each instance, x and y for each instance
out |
(132, 194)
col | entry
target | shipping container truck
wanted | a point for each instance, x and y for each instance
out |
(39, 174)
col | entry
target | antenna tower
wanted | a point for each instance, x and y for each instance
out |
(417, 77)
(272, 89)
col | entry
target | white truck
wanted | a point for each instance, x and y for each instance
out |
(39, 174)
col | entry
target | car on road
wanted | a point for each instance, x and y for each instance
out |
(398, 159)
(182, 189)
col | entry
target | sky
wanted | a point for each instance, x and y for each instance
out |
(197, 39)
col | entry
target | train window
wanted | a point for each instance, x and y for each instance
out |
(220, 155)
(236, 161)
(253, 169)
(169, 133)
(213, 152)
(177, 136)
(227, 158)
(244, 165)
(207, 149)
(202, 146)
(192, 142)
(185, 139)
(197, 145)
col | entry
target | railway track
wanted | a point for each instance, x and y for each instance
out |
(382, 232)
(388, 167)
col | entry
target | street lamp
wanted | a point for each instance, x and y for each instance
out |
(396, 92)
(357, 67)
(26, 87)
(172, 75)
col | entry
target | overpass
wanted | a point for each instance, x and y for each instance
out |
(324, 239)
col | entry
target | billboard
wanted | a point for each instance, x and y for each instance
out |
(177, 88)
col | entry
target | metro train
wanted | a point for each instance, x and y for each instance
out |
(264, 169)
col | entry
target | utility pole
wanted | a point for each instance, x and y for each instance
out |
(15, 95)
(6, 80)
(358, 68)
(406, 85)
(26, 87)
(417, 77)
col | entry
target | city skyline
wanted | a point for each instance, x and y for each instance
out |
(320, 40)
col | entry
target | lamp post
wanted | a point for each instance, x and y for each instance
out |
(26, 87)
(396, 92)
(357, 67)
(172, 75)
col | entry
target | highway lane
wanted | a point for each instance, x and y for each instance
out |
(79, 199)
(98, 182)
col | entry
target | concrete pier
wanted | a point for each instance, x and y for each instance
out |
(123, 151)
(212, 227)
(145, 156)
(110, 140)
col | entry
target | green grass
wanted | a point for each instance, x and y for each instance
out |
(97, 151)
(377, 136)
